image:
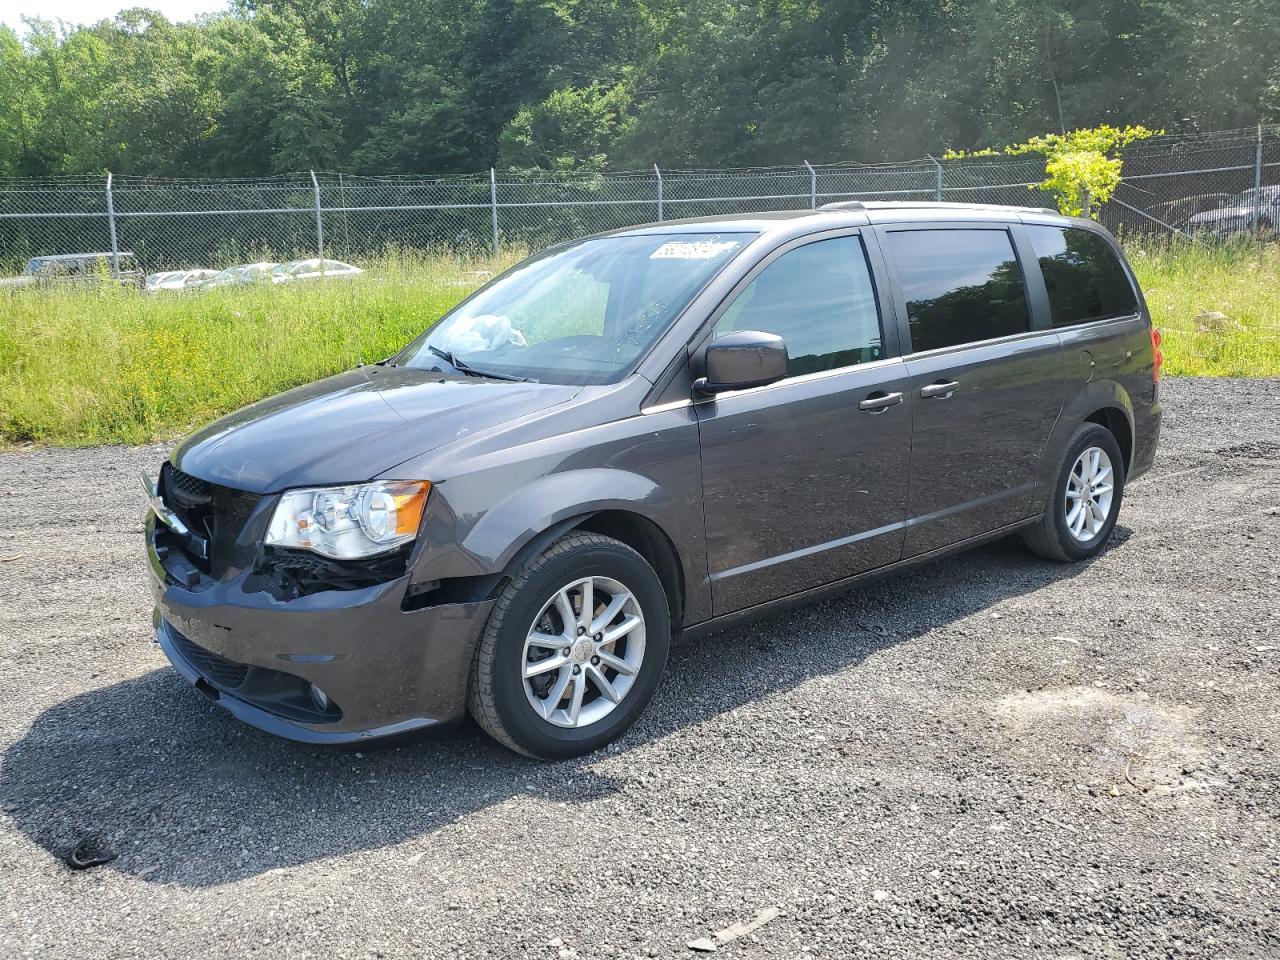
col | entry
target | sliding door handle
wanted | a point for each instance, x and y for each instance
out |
(880, 401)
(941, 390)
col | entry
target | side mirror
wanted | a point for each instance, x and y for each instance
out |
(742, 359)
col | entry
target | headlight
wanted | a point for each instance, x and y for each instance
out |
(347, 523)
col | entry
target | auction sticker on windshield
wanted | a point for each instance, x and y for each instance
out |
(693, 249)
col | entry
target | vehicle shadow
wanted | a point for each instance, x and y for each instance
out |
(184, 794)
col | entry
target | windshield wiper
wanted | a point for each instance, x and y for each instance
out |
(464, 367)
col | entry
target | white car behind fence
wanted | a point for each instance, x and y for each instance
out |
(313, 269)
(178, 279)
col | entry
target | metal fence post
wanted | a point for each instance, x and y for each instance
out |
(1257, 181)
(315, 184)
(658, 173)
(111, 225)
(937, 178)
(813, 186)
(493, 206)
(346, 226)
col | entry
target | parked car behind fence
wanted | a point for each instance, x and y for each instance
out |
(77, 268)
(313, 269)
(1253, 211)
(245, 273)
(88, 267)
(178, 279)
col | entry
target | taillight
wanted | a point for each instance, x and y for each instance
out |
(1157, 355)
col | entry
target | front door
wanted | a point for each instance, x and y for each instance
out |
(805, 480)
(987, 387)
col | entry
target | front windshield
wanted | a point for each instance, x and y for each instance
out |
(578, 314)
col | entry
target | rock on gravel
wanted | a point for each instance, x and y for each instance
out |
(991, 756)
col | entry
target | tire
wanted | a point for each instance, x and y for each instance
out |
(503, 701)
(1053, 536)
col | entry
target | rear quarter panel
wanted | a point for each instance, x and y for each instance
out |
(1108, 367)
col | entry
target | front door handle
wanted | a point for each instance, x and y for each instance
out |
(941, 390)
(879, 401)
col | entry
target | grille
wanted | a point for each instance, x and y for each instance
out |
(186, 489)
(216, 513)
(218, 670)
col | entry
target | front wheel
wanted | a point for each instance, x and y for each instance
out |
(573, 651)
(1085, 500)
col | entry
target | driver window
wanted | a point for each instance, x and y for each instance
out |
(820, 299)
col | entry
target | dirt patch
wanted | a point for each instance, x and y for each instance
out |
(1123, 741)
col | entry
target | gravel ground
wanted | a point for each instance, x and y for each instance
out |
(991, 756)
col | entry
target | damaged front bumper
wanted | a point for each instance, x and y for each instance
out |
(334, 666)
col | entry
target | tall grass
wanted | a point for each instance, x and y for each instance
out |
(1218, 306)
(87, 365)
(99, 365)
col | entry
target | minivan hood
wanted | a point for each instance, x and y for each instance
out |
(353, 427)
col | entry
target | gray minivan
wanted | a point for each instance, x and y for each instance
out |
(656, 431)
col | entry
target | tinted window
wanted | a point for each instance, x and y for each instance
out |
(960, 285)
(819, 298)
(1084, 278)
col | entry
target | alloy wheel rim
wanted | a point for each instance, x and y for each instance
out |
(583, 652)
(1089, 494)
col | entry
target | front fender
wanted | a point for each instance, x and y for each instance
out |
(461, 544)
(516, 521)
(489, 507)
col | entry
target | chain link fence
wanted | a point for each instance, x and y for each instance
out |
(1215, 184)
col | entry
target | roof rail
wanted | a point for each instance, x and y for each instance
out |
(927, 204)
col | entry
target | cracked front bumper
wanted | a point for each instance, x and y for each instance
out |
(383, 670)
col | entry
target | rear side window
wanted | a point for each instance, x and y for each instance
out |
(820, 300)
(1084, 278)
(960, 286)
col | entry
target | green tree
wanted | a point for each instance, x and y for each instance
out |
(23, 107)
(570, 130)
(1082, 167)
(278, 109)
(159, 98)
(429, 86)
(70, 72)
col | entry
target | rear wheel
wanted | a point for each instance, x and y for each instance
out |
(1085, 500)
(573, 650)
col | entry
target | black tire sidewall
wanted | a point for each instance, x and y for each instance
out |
(518, 718)
(1088, 436)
